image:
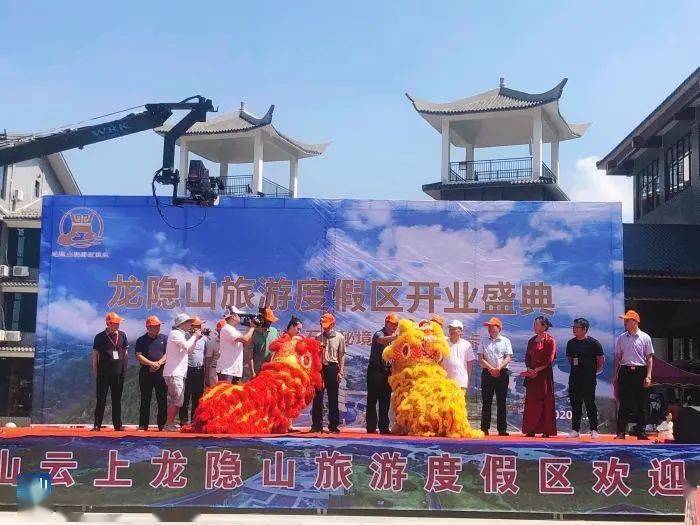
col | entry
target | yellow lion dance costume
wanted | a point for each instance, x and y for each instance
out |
(424, 400)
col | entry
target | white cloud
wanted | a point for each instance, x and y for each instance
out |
(589, 184)
(65, 309)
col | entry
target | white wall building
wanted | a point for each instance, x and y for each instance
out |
(22, 187)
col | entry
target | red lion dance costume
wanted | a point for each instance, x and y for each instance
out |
(268, 403)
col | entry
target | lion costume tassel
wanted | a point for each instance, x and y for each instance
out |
(269, 402)
(424, 400)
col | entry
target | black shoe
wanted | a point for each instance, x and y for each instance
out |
(505, 434)
(334, 430)
(160, 429)
(642, 436)
(385, 432)
(486, 432)
(315, 429)
(621, 435)
(119, 429)
(371, 430)
(95, 429)
(143, 428)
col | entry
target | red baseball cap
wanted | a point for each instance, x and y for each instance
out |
(630, 314)
(112, 317)
(494, 321)
(327, 320)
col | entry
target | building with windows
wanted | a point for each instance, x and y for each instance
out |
(501, 118)
(662, 155)
(22, 186)
(662, 247)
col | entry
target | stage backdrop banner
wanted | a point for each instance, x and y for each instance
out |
(359, 259)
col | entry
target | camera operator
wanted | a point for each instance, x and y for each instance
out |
(194, 381)
(231, 341)
(211, 357)
(263, 335)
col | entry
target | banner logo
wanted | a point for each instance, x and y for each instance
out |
(81, 228)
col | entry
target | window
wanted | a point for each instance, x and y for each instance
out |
(37, 188)
(678, 166)
(3, 171)
(686, 349)
(648, 189)
(20, 312)
(16, 386)
(23, 247)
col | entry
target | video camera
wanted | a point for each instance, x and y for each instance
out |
(252, 319)
(202, 188)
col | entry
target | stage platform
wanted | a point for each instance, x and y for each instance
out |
(350, 471)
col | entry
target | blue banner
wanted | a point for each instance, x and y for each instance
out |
(359, 259)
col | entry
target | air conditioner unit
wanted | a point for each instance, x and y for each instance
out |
(4, 270)
(13, 336)
(2, 335)
(19, 195)
(20, 271)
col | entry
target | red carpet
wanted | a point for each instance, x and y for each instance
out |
(85, 432)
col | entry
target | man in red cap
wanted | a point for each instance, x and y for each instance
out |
(109, 360)
(634, 356)
(378, 370)
(333, 360)
(495, 353)
(150, 352)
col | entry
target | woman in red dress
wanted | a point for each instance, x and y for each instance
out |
(539, 416)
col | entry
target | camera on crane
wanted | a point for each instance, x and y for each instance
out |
(201, 188)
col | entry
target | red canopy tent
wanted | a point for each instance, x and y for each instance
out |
(663, 373)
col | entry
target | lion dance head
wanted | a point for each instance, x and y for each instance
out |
(424, 400)
(270, 401)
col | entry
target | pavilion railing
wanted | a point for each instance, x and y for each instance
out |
(242, 186)
(498, 170)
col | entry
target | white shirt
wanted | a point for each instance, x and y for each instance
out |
(495, 350)
(633, 349)
(230, 352)
(176, 351)
(456, 364)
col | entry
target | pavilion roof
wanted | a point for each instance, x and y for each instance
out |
(493, 106)
(230, 135)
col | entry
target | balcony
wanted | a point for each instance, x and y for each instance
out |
(242, 186)
(513, 170)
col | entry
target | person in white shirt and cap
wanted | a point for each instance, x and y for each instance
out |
(178, 347)
(231, 341)
(460, 362)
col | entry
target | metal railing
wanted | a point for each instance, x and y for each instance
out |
(242, 186)
(498, 170)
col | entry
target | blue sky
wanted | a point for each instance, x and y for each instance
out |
(338, 72)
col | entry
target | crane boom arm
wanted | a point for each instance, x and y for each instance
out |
(154, 116)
